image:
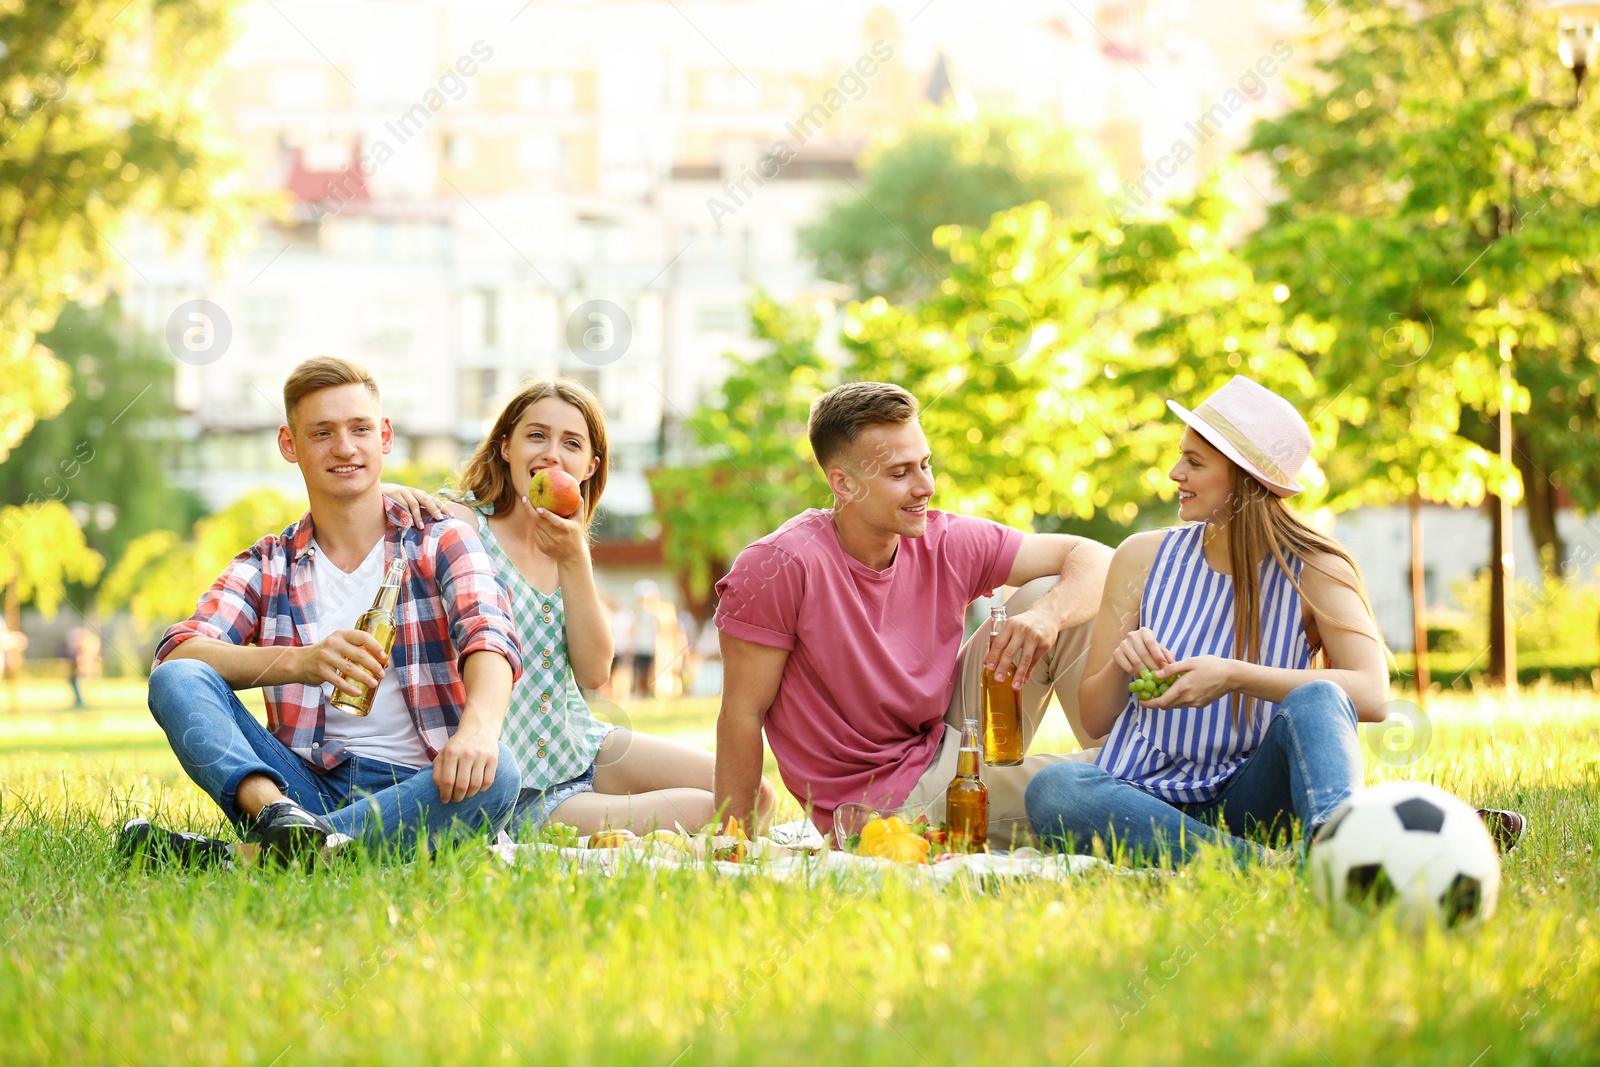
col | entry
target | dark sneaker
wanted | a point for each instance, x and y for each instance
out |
(1505, 827)
(172, 848)
(290, 834)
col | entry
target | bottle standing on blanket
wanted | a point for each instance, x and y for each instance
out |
(379, 622)
(1002, 712)
(966, 802)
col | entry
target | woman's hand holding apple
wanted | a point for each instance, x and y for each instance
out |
(563, 540)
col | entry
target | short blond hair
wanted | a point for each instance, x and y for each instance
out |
(323, 372)
(839, 416)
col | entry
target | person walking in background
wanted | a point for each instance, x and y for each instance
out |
(12, 645)
(621, 643)
(649, 614)
(82, 646)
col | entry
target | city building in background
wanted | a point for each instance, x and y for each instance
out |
(473, 193)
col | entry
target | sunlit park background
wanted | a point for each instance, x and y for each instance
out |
(1044, 218)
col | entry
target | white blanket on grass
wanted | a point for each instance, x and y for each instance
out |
(784, 856)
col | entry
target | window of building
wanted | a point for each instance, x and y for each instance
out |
(461, 149)
(546, 91)
(479, 386)
(541, 153)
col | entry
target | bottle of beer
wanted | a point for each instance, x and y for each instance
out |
(1002, 712)
(966, 802)
(379, 622)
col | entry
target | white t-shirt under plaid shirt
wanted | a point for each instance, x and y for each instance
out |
(548, 726)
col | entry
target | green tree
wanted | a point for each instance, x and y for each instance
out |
(107, 454)
(751, 467)
(160, 576)
(1044, 362)
(1042, 365)
(878, 239)
(41, 550)
(1437, 200)
(99, 120)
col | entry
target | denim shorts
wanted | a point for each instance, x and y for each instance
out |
(535, 806)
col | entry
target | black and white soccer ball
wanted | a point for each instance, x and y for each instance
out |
(1411, 844)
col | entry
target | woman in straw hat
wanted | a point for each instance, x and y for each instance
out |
(1255, 730)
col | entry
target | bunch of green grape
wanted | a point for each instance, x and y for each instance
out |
(560, 834)
(1147, 686)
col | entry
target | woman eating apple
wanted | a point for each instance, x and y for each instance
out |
(531, 490)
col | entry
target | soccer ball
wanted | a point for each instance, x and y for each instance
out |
(1411, 844)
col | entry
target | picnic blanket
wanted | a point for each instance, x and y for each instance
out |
(796, 851)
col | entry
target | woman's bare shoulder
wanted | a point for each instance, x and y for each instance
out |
(1140, 548)
(1323, 568)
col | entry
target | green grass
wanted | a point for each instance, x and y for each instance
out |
(461, 960)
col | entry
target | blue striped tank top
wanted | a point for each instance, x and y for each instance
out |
(1184, 755)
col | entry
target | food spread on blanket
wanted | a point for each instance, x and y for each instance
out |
(794, 849)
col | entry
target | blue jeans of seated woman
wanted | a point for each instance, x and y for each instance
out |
(219, 743)
(1308, 764)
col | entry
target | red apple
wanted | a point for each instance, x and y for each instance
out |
(556, 491)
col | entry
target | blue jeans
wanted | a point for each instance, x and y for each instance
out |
(1308, 764)
(219, 743)
(535, 806)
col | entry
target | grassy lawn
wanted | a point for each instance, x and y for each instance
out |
(462, 960)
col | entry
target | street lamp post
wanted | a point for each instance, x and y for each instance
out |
(1577, 34)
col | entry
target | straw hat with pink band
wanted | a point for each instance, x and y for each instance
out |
(1257, 429)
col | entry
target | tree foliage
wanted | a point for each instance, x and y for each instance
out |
(160, 577)
(41, 550)
(1438, 195)
(755, 468)
(108, 453)
(1044, 362)
(878, 239)
(100, 123)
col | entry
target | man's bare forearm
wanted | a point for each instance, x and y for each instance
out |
(245, 666)
(486, 676)
(737, 781)
(1075, 598)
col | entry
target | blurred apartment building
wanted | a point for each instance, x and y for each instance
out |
(460, 183)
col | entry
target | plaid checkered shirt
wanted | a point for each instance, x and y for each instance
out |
(452, 605)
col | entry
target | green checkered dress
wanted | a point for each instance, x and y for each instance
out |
(548, 725)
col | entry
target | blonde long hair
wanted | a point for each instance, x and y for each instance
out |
(487, 476)
(1259, 525)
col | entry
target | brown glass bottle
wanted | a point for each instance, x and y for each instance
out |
(966, 802)
(379, 622)
(1002, 712)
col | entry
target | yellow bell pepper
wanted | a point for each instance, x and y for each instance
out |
(902, 848)
(897, 825)
(874, 829)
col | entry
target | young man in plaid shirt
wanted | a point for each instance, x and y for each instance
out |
(427, 761)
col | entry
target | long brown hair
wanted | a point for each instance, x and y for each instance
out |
(1259, 525)
(487, 476)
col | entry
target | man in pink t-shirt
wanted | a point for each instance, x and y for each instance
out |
(842, 631)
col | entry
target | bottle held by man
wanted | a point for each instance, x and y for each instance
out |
(966, 802)
(379, 622)
(1002, 712)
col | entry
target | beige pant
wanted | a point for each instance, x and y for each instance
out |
(1059, 672)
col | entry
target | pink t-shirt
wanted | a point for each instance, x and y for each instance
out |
(872, 666)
